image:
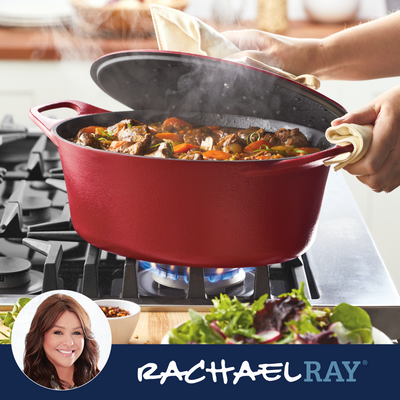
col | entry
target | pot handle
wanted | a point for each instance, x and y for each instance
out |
(335, 151)
(46, 124)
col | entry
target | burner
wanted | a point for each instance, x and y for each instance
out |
(214, 278)
(16, 276)
(169, 280)
(36, 210)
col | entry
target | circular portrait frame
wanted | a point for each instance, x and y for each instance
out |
(100, 327)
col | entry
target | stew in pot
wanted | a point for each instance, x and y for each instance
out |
(175, 138)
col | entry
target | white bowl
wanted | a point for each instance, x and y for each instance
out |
(331, 11)
(122, 328)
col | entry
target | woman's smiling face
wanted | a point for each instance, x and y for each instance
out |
(64, 342)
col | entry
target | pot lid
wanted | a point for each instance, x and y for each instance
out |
(175, 82)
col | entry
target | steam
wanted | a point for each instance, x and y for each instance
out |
(81, 42)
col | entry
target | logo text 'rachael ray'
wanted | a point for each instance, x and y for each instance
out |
(313, 371)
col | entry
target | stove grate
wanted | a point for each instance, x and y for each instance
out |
(128, 284)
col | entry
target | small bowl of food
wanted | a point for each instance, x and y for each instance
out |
(123, 317)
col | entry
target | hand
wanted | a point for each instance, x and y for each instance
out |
(296, 56)
(380, 168)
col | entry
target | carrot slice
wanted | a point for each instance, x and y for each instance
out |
(116, 143)
(257, 145)
(100, 130)
(91, 129)
(216, 154)
(169, 135)
(175, 122)
(183, 147)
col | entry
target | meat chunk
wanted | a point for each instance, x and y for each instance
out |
(251, 134)
(138, 148)
(223, 132)
(133, 133)
(164, 150)
(89, 139)
(291, 137)
(196, 136)
(233, 138)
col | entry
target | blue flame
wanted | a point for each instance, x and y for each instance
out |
(212, 274)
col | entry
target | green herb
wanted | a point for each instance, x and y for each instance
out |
(169, 143)
(106, 141)
(264, 147)
(106, 133)
(299, 151)
(9, 317)
(253, 137)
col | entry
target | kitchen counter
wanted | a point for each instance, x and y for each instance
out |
(51, 44)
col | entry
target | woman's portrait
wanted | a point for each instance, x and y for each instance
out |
(60, 348)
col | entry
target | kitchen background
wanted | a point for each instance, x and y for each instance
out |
(27, 82)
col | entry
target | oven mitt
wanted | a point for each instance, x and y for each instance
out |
(359, 136)
(177, 31)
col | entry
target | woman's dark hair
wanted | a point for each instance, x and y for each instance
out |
(36, 364)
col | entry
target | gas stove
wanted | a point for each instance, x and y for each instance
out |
(40, 250)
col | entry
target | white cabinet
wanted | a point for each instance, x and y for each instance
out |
(25, 84)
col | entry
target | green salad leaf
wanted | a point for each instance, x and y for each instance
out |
(354, 319)
(287, 319)
(8, 318)
(234, 317)
(195, 330)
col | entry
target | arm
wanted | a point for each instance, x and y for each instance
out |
(380, 168)
(367, 51)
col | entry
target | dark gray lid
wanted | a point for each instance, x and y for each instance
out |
(172, 82)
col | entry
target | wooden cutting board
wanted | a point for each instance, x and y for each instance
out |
(152, 326)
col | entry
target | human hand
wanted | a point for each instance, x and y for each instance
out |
(380, 167)
(296, 56)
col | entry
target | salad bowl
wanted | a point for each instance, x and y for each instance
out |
(287, 319)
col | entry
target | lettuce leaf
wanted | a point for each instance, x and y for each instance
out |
(234, 317)
(195, 330)
(354, 319)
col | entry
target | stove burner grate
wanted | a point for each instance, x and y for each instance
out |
(16, 276)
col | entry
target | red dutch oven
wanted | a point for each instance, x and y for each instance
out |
(186, 212)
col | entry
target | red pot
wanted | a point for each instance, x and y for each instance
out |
(185, 212)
